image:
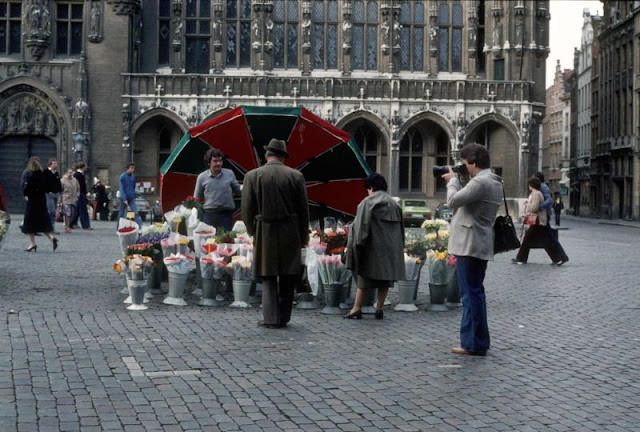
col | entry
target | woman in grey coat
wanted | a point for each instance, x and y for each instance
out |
(375, 249)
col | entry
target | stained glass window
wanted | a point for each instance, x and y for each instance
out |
(324, 38)
(198, 35)
(411, 36)
(238, 21)
(365, 35)
(285, 34)
(411, 149)
(68, 28)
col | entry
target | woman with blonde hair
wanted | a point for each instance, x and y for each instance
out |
(36, 215)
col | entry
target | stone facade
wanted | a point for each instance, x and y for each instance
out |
(411, 81)
(615, 159)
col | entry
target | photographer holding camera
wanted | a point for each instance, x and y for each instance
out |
(474, 193)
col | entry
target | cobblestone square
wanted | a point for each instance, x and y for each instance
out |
(564, 355)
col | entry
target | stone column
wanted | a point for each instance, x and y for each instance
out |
(177, 29)
(432, 67)
(394, 154)
(217, 53)
(472, 41)
(306, 37)
(347, 34)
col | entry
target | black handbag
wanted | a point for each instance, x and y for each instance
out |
(505, 238)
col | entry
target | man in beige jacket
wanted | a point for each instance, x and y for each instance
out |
(475, 206)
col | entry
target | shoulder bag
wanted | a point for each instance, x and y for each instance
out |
(505, 237)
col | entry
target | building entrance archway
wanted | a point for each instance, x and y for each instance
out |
(15, 151)
(371, 142)
(504, 151)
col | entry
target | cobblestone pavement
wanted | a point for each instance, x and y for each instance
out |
(564, 356)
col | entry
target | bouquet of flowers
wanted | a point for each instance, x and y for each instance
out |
(437, 243)
(127, 233)
(168, 246)
(241, 266)
(191, 202)
(415, 245)
(335, 238)
(223, 236)
(136, 267)
(143, 249)
(239, 227)
(314, 249)
(179, 263)
(155, 228)
(227, 250)
(212, 266)
(332, 270)
(180, 242)
(208, 246)
(177, 219)
(4, 226)
(201, 234)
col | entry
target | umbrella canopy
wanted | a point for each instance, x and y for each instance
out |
(329, 159)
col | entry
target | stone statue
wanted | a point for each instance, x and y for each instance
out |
(26, 116)
(306, 32)
(33, 18)
(52, 125)
(13, 113)
(386, 32)
(346, 34)
(268, 36)
(497, 33)
(216, 29)
(396, 34)
(40, 122)
(94, 21)
(45, 22)
(519, 31)
(81, 116)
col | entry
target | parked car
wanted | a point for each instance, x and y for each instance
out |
(414, 211)
(142, 205)
(443, 211)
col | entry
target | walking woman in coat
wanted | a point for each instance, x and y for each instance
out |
(375, 245)
(538, 234)
(36, 215)
(70, 195)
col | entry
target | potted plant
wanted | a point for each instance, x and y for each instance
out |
(440, 268)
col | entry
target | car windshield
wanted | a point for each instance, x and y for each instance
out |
(415, 203)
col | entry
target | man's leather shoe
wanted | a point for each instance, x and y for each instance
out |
(271, 326)
(460, 350)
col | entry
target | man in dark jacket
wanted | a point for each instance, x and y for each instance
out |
(82, 212)
(275, 211)
(54, 187)
(128, 194)
(101, 200)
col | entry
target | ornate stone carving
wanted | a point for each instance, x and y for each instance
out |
(37, 21)
(124, 7)
(433, 30)
(96, 33)
(472, 30)
(81, 116)
(26, 115)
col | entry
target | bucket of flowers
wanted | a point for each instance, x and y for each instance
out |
(415, 252)
(178, 266)
(242, 279)
(136, 269)
(127, 232)
(212, 268)
(441, 269)
(155, 234)
(333, 275)
(150, 251)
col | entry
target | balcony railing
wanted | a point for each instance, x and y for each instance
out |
(190, 85)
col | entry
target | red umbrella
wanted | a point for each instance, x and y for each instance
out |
(327, 156)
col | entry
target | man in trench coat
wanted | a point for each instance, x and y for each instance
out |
(275, 211)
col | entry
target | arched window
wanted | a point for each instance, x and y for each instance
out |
(367, 141)
(197, 33)
(412, 36)
(411, 162)
(450, 23)
(365, 35)
(238, 18)
(285, 34)
(164, 146)
(325, 34)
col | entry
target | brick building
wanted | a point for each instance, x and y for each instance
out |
(113, 81)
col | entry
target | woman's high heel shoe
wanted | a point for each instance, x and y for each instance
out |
(33, 248)
(354, 315)
(380, 314)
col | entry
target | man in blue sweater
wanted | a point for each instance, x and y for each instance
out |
(128, 194)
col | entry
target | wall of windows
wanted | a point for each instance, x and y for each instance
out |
(365, 35)
(10, 27)
(412, 20)
(238, 20)
(411, 151)
(324, 17)
(197, 36)
(450, 25)
(285, 34)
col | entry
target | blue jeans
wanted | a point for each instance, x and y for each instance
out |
(52, 204)
(81, 213)
(123, 212)
(474, 330)
(218, 218)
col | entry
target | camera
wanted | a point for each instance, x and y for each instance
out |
(459, 169)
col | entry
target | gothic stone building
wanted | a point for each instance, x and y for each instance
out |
(110, 81)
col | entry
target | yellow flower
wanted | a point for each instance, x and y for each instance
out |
(441, 255)
(431, 236)
(444, 234)
(211, 241)
(117, 266)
